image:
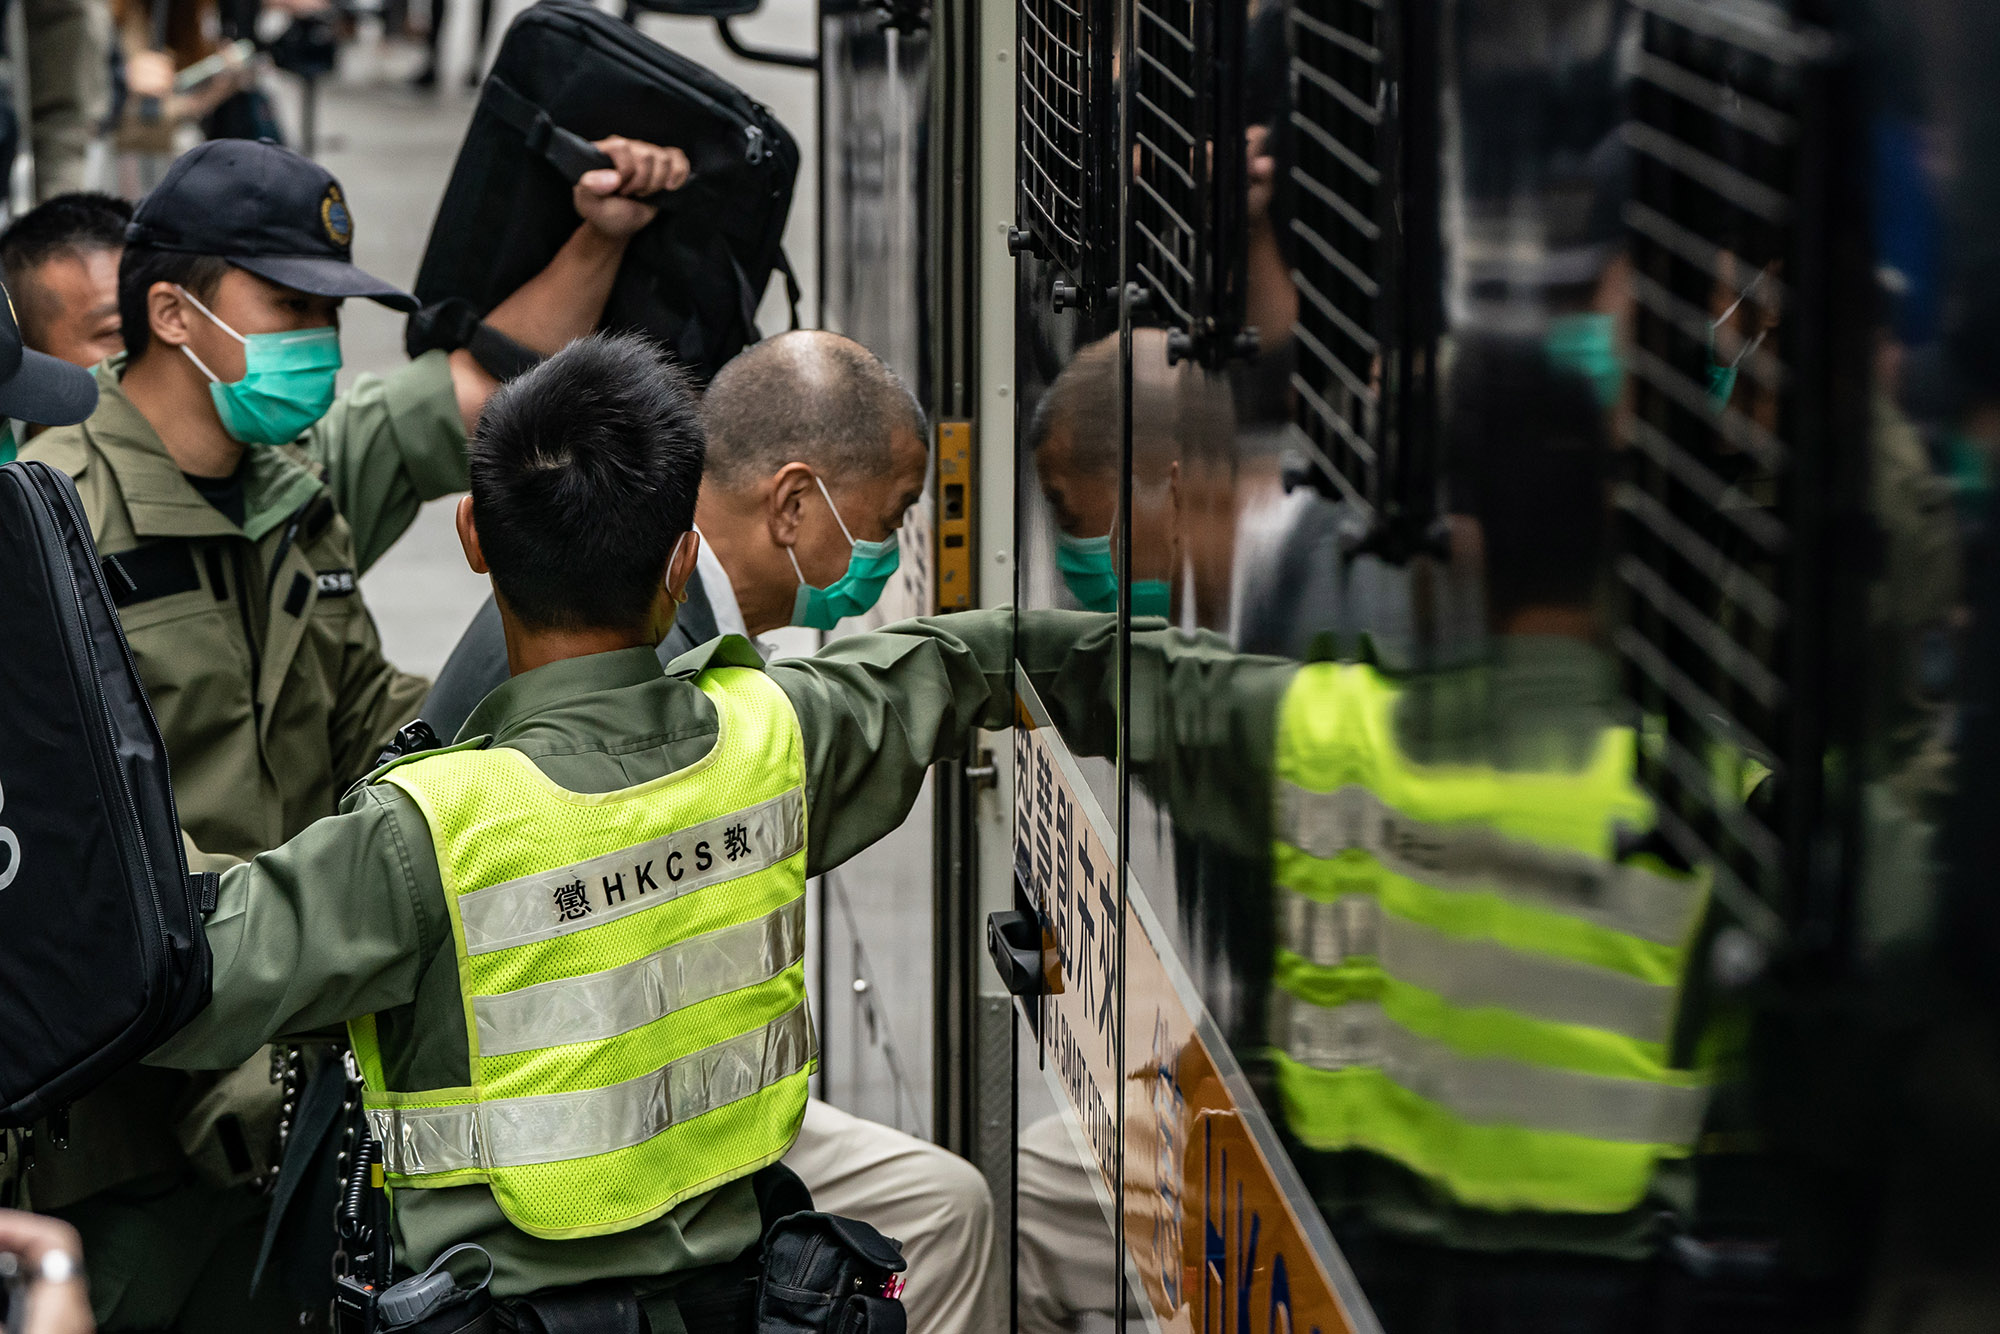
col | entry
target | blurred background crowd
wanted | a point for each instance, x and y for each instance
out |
(101, 96)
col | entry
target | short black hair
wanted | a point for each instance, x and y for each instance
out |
(808, 396)
(584, 476)
(82, 220)
(1529, 454)
(68, 224)
(140, 267)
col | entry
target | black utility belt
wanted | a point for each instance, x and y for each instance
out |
(818, 1274)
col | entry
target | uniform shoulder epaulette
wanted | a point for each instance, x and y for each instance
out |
(476, 743)
(722, 651)
(313, 519)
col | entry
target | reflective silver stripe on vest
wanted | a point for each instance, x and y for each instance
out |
(517, 1132)
(1473, 857)
(606, 888)
(1488, 1090)
(1470, 973)
(604, 1004)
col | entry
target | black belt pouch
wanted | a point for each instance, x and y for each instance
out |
(824, 1274)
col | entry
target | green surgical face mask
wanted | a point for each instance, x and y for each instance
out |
(1587, 345)
(1085, 563)
(868, 569)
(287, 382)
(1722, 379)
(7, 446)
(1721, 383)
(1151, 597)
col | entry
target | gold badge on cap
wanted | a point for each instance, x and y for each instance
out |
(334, 217)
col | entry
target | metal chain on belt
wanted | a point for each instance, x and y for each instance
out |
(288, 1068)
(361, 1260)
(348, 1164)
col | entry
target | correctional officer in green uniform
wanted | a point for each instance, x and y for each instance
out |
(569, 950)
(1491, 1036)
(237, 502)
(1482, 1033)
(1493, 1039)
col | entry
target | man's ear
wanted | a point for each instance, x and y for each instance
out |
(680, 566)
(168, 314)
(785, 503)
(468, 536)
(673, 587)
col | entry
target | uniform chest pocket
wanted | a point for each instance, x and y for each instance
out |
(192, 660)
(181, 625)
(155, 582)
(159, 586)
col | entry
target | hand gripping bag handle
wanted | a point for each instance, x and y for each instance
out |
(569, 153)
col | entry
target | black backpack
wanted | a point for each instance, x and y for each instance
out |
(102, 953)
(567, 73)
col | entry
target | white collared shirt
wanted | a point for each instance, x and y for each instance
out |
(721, 593)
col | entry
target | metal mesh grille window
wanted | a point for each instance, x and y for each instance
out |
(1725, 502)
(1170, 110)
(1188, 200)
(1338, 73)
(1065, 126)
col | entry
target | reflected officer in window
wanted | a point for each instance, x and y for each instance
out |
(1481, 1021)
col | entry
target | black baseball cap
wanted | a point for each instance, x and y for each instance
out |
(266, 210)
(36, 387)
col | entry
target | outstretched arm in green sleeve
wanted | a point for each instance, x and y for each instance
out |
(338, 922)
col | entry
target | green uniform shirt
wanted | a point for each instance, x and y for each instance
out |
(262, 664)
(1538, 703)
(349, 917)
(1203, 736)
(255, 761)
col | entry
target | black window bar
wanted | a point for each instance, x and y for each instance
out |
(1735, 505)
(1341, 178)
(1189, 190)
(1067, 121)
(1366, 261)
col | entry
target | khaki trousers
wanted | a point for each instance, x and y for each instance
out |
(928, 1198)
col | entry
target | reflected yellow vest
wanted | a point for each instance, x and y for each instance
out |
(1466, 982)
(631, 967)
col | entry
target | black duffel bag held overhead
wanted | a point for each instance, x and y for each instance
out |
(102, 953)
(567, 74)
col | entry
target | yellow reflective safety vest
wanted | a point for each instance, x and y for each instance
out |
(631, 964)
(1467, 982)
